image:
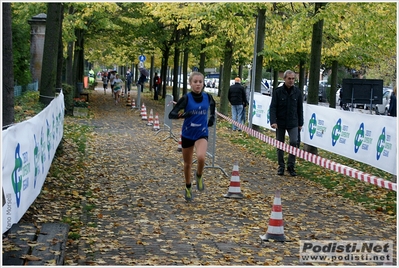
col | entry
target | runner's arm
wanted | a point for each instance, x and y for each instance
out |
(180, 105)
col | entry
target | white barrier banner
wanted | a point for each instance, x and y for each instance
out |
(28, 149)
(371, 139)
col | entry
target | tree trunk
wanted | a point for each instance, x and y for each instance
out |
(275, 78)
(240, 68)
(314, 70)
(176, 89)
(220, 79)
(301, 74)
(164, 71)
(259, 48)
(8, 73)
(69, 59)
(69, 64)
(185, 67)
(334, 81)
(151, 72)
(224, 85)
(259, 57)
(202, 59)
(201, 68)
(60, 56)
(50, 53)
(162, 86)
(78, 60)
(315, 59)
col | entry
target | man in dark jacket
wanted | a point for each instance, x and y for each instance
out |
(238, 100)
(286, 114)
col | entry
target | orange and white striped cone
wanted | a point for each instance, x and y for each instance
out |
(156, 122)
(179, 148)
(143, 112)
(123, 94)
(275, 230)
(133, 104)
(128, 101)
(234, 188)
(150, 118)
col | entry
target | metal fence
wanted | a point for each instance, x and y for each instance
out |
(19, 90)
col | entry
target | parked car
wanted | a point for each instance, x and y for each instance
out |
(266, 88)
(212, 83)
(367, 106)
(383, 108)
(323, 86)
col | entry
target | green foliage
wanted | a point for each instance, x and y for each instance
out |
(80, 103)
(68, 92)
(21, 13)
(352, 33)
(27, 105)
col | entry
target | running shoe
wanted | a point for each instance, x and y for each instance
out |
(188, 194)
(200, 182)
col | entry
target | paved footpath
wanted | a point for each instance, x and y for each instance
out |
(140, 216)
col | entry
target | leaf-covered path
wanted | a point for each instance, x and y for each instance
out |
(139, 215)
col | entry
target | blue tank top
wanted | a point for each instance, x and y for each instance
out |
(196, 125)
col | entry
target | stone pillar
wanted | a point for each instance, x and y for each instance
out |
(38, 30)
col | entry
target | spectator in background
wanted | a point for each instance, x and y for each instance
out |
(141, 81)
(129, 79)
(157, 82)
(238, 100)
(105, 81)
(392, 103)
(91, 76)
(286, 114)
(248, 95)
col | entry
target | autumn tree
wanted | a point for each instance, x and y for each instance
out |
(8, 74)
(315, 58)
(50, 52)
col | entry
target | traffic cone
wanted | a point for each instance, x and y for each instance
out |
(143, 112)
(150, 118)
(156, 122)
(179, 148)
(275, 230)
(128, 101)
(123, 94)
(133, 104)
(234, 188)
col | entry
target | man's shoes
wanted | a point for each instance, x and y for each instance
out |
(280, 171)
(188, 195)
(200, 182)
(291, 170)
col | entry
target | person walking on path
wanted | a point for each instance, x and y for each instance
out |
(286, 114)
(195, 128)
(91, 76)
(112, 81)
(157, 82)
(392, 103)
(238, 100)
(117, 88)
(105, 82)
(128, 80)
